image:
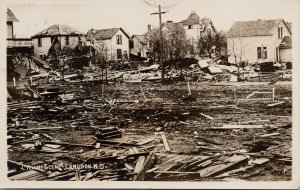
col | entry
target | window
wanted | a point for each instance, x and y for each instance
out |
(259, 52)
(119, 54)
(190, 27)
(131, 44)
(280, 32)
(39, 42)
(119, 39)
(67, 40)
(265, 53)
(262, 53)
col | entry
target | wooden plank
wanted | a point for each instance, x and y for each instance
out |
(270, 134)
(146, 141)
(167, 147)
(139, 164)
(129, 167)
(35, 129)
(275, 104)
(218, 169)
(260, 161)
(175, 172)
(137, 177)
(23, 175)
(207, 116)
(239, 127)
(92, 175)
(151, 170)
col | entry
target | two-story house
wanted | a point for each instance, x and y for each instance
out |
(196, 27)
(257, 41)
(15, 47)
(66, 35)
(114, 42)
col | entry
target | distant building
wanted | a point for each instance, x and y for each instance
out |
(113, 41)
(285, 49)
(66, 35)
(138, 45)
(196, 27)
(259, 40)
(15, 47)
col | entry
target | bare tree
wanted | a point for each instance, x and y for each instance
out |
(238, 51)
(100, 56)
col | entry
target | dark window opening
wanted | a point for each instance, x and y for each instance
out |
(259, 52)
(39, 42)
(119, 39)
(119, 53)
(190, 26)
(265, 53)
(131, 44)
(67, 40)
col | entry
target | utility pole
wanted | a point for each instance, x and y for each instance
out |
(161, 42)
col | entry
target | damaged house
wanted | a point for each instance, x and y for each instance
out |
(66, 35)
(112, 42)
(196, 27)
(259, 41)
(140, 45)
(18, 51)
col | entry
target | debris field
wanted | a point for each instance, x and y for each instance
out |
(148, 131)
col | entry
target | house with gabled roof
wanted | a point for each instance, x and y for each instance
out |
(115, 41)
(16, 47)
(258, 41)
(196, 27)
(66, 35)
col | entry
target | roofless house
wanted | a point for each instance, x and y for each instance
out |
(66, 35)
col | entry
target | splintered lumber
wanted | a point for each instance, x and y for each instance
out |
(269, 135)
(35, 92)
(35, 129)
(166, 144)
(176, 172)
(67, 144)
(129, 167)
(207, 116)
(139, 164)
(231, 162)
(26, 175)
(151, 170)
(275, 104)
(208, 140)
(138, 176)
(146, 141)
(260, 161)
(189, 89)
(239, 127)
(116, 143)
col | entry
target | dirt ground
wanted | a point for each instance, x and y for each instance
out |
(170, 109)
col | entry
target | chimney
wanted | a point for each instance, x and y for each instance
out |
(149, 27)
(169, 21)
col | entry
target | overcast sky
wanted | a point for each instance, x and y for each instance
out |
(134, 15)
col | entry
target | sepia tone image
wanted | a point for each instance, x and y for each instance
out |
(150, 90)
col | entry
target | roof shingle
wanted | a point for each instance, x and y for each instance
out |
(252, 28)
(56, 30)
(104, 34)
(174, 27)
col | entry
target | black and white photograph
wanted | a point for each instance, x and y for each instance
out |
(150, 91)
